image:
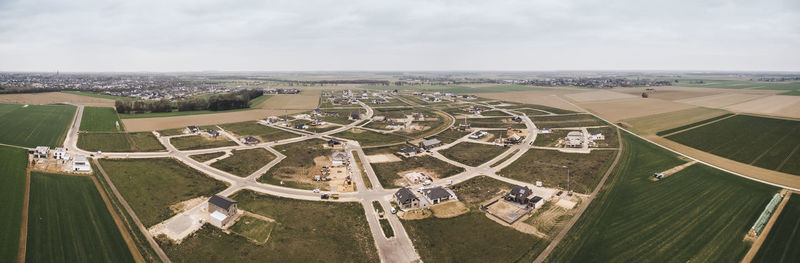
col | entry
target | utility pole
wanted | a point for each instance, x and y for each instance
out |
(569, 183)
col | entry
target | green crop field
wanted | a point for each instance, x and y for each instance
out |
(585, 170)
(305, 231)
(12, 191)
(763, 142)
(151, 186)
(387, 172)
(35, 125)
(69, 222)
(698, 123)
(245, 162)
(783, 241)
(472, 154)
(119, 142)
(100, 119)
(699, 214)
(251, 128)
(195, 142)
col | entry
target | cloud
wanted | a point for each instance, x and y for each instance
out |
(398, 35)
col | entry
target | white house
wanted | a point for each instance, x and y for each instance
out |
(60, 153)
(544, 130)
(338, 158)
(41, 152)
(478, 135)
(596, 136)
(81, 164)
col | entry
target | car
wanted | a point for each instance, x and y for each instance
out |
(316, 190)
(394, 211)
(324, 196)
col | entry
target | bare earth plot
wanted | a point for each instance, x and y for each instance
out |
(163, 123)
(669, 93)
(55, 97)
(652, 124)
(539, 97)
(721, 100)
(615, 110)
(598, 96)
(308, 99)
(778, 105)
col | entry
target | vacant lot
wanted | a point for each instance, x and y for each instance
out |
(55, 97)
(479, 239)
(171, 132)
(68, 221)
(388, 172)
(550, 139)
(251, 128)
(35, 125)
(585, 170)
(245, 162)
(100, 119)
(712, 211)
(320, 231)
(496, 123)
(12, 191)
(561, 121)
(340, 116)
(616, 110)
(151, 186)
(451, 135)
(784, 238)
(658, 122)
(163, 123)
(472, 154)
(308, 99)
(206, 156)
(196, 142)
(763, 142)
(255, 229)
(295, 170)
(370, 138)
(119, 142)
(543, 99)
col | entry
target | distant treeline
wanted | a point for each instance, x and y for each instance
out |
(229, 101)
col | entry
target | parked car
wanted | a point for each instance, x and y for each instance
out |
(316, 190)
(394, 211)
(324, 196)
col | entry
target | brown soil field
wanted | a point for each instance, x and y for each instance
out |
(540, 97)
(383, 158)
(55, 97)
(598, 96)
(615, 110)
(415, 214)
(163, 123)
(720, 100)
(308, 99)
(658, 122)
(667, 93)
(777, 105)
(449, 209)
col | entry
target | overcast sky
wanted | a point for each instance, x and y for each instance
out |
(194, 35)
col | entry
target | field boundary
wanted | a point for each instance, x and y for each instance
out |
(698, 125)
(761, 238)
(23, 228)
(137, 256)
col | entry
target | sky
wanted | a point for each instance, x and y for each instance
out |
(375, 35)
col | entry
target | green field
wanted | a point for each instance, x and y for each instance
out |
(472, 154)
(96, 95)
(699, 214)
(151, 186)
(472, 237)
(253, 228)
(459, 89)
(69, 222)
(535, 109)
(12, 191)
(119, 142)
(763, 142)
(698, 123)
(251, 128)
(257, 101)
(370, 138)
(742, 84)
(171, 132)
(340, 116)
(100, 119)
(387, 172)
(305, 231)
(782, 242)
(35, 125)
(585, 170)
(245, 162)
(451, 135)
(196, 142)
(206, 156)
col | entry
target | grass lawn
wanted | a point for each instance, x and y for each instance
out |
(206, 156)
(451, 135)
(472, 237)
(12, 190)
(386, 227)
(320, 231)
(119, 142)
(253, 228)
(299, 160)
(585, 170)
(196, 142)
(387, 172)
(151, 186)
(100, 119)
(251, 128)
(245, 162)
(68, 221)
(784, 238)
(561, 121)
(763, 142)
(472, 154)
(699, 214)
(35, 125)
(610, 134)
(370, 138)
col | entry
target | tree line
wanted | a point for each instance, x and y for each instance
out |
(229, 101)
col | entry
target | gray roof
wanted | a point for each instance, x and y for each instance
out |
(404, 195)
(430, 142)
(410, 149)
(436, 193)
(520, 191)
(222, 202)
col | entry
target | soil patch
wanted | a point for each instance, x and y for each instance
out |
(55, 97)
(449, 209)
(383, 158)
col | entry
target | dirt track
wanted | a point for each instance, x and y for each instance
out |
(55, 97)
(23, 230)
(760, 240)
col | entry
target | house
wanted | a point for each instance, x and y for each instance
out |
(300, 126)
(416, 177)
(478, 135)
(409, 151)
(338, 158)
(41, 152)
(519, 194)
(575, 135)
(544, 130)
(513, 139)
(316, 112)
(597, 136)
(273, 119)
(436, 194)
(406, 199)
(81, 164)
(250, 140)
(212, 133)
(334, 142)
(516, 118)
(536, 201)
(222, 210)
(354, 116)
(60, 153)
(317, 122)
(418, 116)
(379, 118)
(429, 144)
(464, 126)
(192, 129)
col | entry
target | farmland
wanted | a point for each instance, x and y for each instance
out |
(151, 186)
(119, 142)
(244, 162)
(251, 128)
(472, 154)
(585, 170)
(12, 191)
(100, 119)
(763, 142)
(783, 240)
(322, 226)
(619, 225)
(195, 142)
(653, 124)
(698, 123)
(35, 125)
(561, 121)
(388, 172)
(69, 222)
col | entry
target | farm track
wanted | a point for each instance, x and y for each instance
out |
(697, 126)
(764, 233)
(23, 230)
